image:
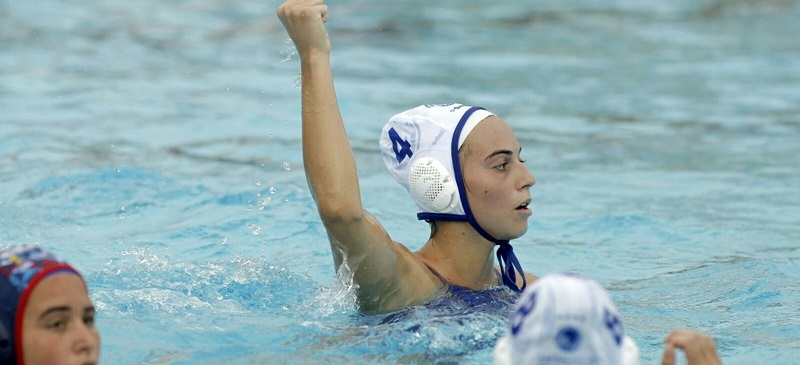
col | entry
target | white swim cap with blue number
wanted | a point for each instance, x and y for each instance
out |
(564, 318)
(417, 147)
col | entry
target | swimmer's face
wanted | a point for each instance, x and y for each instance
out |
(496, 180)
(58, 323)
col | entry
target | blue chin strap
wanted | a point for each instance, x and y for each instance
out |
(509, 265)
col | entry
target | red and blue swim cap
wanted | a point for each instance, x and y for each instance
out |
(21, 269)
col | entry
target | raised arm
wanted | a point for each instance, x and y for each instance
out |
(327, 156)
(381, 267)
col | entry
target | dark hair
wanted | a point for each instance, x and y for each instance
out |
(434, 227)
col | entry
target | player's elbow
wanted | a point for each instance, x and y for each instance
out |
(339, 212)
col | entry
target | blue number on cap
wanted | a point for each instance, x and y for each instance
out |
(405, 147)
(614, 325)
(521, 312)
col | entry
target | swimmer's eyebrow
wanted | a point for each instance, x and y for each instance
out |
(49, 311)
(64, 308)
(502, 152)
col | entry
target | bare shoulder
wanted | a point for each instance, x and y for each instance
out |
(410, 283)
(417, 279)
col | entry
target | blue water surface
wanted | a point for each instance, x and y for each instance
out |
(156, 145)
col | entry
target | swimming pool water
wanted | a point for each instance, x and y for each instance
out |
(157, 147)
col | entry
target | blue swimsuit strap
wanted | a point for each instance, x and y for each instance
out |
(436, 274)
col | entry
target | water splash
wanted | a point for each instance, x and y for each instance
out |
(339, 297)
(141, 283)
(288, 53)
(254, 228)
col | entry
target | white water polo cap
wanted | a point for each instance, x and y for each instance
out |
(562, 319)
(419, 147)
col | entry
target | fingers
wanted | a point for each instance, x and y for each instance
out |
(324, 12)
(303, 8)
(304, 21)
(668, 358)
(688, 339)
(699, 348)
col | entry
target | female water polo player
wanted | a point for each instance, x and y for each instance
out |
(460, 164)
(46, 316)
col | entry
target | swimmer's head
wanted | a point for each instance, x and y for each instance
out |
(22, 269)
(565, 319)
(420, 148)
